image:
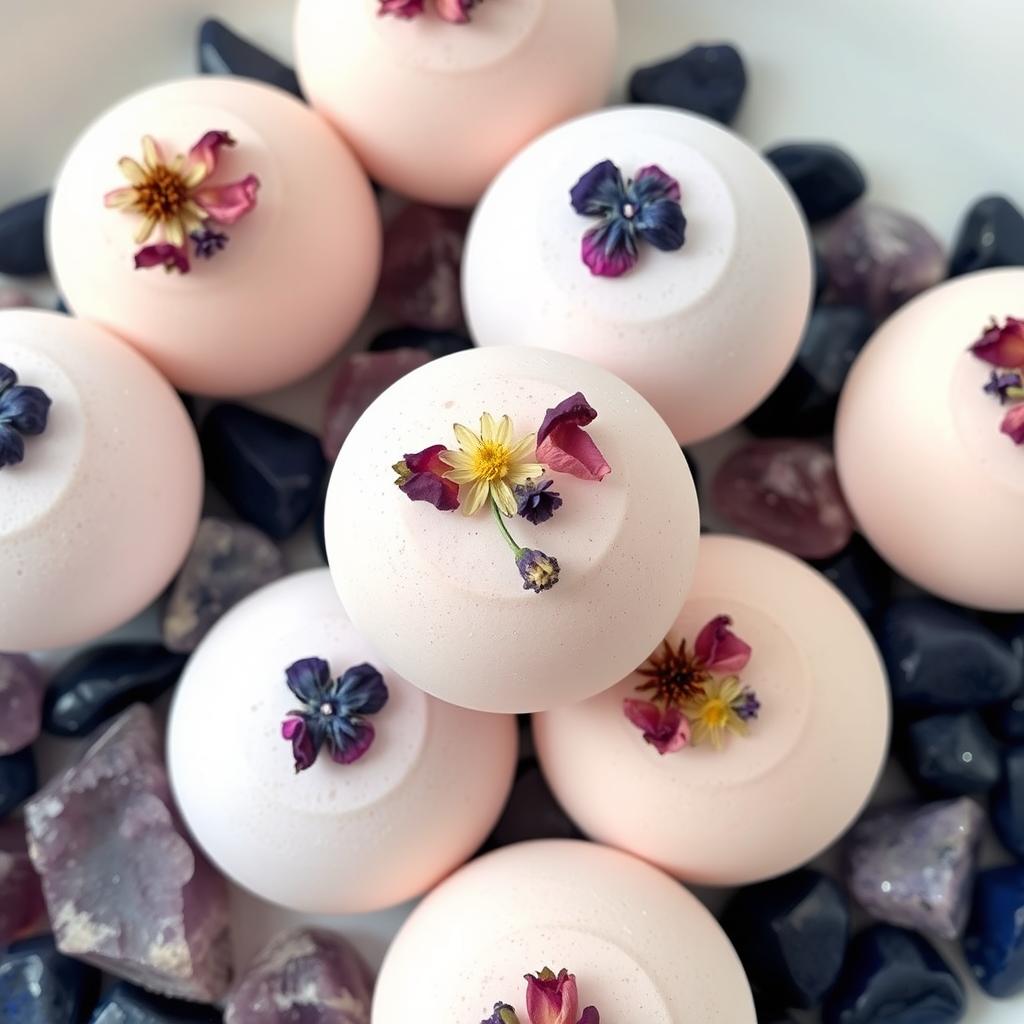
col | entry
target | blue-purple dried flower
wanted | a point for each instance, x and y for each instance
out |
(539, 571)
(535, 502)
(1004, 385)
(503, 1014)
(748, 706)
(333, 711)
(23, 413)
(208, 242)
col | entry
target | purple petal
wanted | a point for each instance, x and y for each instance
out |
(609, 249)
(362, 690)
(163, 254)
(427, 483)
(652, 183)
(719, 649)
(25, 408)
(564, 446)
(228, 203)
(401, 8)
(1002, 346)
(662, 225)
(309, 679)
(304, 748)
(666, 729)
(8, 378)
(600, 191)
(12, 446)
(1013, 424)
(206, 151)
(353, 750)
(590, 1016)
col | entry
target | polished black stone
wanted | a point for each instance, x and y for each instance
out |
(953, 754)
(101, 682)
(271, 472)
(38, 985)
(22, 237)
(223, 52)
(708, 80)
(820, 275)
(126, 1004)
(319, 524)
(939, 656)
(18, 780)
(791, 934)
(862, 576)
(991, 235)
(532, 812)
(824, 178)
(1007, 720)
(994, 940)
(803, 404)
(894, 976)
(1008, 802)
(436, 343)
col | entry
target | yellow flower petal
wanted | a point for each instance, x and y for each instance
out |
(488, 429)
(175, 232)
(132, 170)
(145, 229)
(524, 448)
(468, 441)
(121, 198)
(460, 460)
(503, 497)
(151, 152)
(194, 175)
(504, 434)
(524, 471)
(461, 476)
(195, 210)
(472, 496)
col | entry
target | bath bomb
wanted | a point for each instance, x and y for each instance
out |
(100, 514)
(640, 947)
(934, 483)
(703, 332)
(767, 801)
(447, 597)
(335, 838)
(435, 109)
(273, 289)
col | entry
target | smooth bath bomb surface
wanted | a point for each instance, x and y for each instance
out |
(334, 839)
(703, 333)
(439, 592)
(642, 948)
(433, 109)
(932, 482)
(767, 802)
(99, 516)
(299, 270)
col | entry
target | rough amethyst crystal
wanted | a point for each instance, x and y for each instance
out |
(914, 867)
(21, 702)
(21, 898)
(124, 888)
(309, 976)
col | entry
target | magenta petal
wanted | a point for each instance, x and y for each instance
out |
(359, 746)
(1002, 346)
(303, 749)
(163, 254)
(719, 649)
(401, 8)
(427, 481)
(666, 729)
(565, 447)
(590, 1016)
(654, 183)
(455, 11)
(552, 1000)
(207, 149)
(1013, 424)
(605, 260)
(229, 203)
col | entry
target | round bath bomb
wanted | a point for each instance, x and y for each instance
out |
(704, 331)
(433, 108)
(935, 483)
(279, 247)
(808, 756)
(640, 947)
(333, 838)
(561, 607)
(100, 513)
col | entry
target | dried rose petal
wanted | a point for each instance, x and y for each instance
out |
(1002, 346)
(1013, 424)
(565, 447)
(421, 477)
(163, 254)
(719, 649)
(666, 729)
(552, 999)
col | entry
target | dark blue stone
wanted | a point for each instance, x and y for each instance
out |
(271, 472)
(319, 524)
(708, 80)
(824, 178)
(1007, 720)
(992, 235)
(939, 656)
(893, 976)
(436, 343)
(126, 1004)
(18, 780)
(791, 934)
(994, 940)
(820, 275)
(99, 683)
(224, 52)
(1008, 803)
(22, 237)
(861, 575)
(532, 812)
(953, 754)
(804, 402)
(40, 986)
(62, 306)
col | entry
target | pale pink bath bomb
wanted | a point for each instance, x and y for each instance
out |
(298, 272)
(335, 839)
(703, 333)
(101, 514)
(434, 109)
(640, 946)
(934, 485)
(771, 800)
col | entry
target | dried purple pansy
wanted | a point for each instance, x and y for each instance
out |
(420, 476)
(333, 712)
(1005, 386)
(23, 413)
(564, 446)
(645, 208)
(536, 502)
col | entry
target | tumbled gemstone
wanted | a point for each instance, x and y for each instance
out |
(824, 178)
(309, 976)
(861, 575)
(421, 270)
(18, 779)
(40, 986)
(532, 812)
(994, 941)
(880, 259)
(953, 754)
(435, 343)
(125, 888)
(21, 897)
(22, 237)
(228, 561)
(1008, 803)
(128, 1004)
(21, 702)
(914, 866)
(359, 380)
(708, 80)
(991, 235)
(785, 493)
(224, 52)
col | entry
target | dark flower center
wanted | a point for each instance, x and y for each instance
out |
(162, 194)
(674, 676)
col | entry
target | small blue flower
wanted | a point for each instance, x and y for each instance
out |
(646, 207)
(503, 1014)
(1004, 385)
(333, 711)
(748, 706)
(23, 413)
(208, 242)
(539, 571)
(535, 503)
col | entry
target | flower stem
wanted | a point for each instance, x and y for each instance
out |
(516, 549)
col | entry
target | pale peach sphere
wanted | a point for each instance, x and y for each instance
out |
(334, 839)
(99, 516)
(298, 272)
(768, 801)
(934, 485)
(435, 109)
(703, 333)
(641, 947)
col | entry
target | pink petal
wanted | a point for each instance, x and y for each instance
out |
(656, 183)
(565, 447)
(207, 149)
(666, 729)
(163, 254)
(604, 260)
(1002, 346)
(229, 203)
(1013, 424)
(290, 726)
(552, 1000)
(455, 11)
(719, 649)
(356, 750)
(402, 8)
